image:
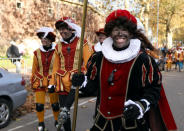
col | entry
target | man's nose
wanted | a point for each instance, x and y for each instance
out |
(120, 33)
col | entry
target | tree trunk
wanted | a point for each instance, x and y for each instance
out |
(167, 33)
(127, 4)
(169, 39)
(144, 14)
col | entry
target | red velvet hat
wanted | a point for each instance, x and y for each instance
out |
(121, 13)
(67, 21)
(66, 18)
(100, 31)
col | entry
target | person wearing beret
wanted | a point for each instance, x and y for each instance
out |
(101, 36)
(41, 74)
(66, 63)
(132, 97)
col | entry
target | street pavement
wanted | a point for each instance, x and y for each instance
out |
(173, 85)
(174, 88)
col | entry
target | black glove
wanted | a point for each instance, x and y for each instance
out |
(77, 79)
(51, 89)
(135, 110)
(131, 112)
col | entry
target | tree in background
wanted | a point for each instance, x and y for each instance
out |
(171, 16)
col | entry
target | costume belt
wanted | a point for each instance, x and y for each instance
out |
(101, 127)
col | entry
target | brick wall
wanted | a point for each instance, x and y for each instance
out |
(19, 19)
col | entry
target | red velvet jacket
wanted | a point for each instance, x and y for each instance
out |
(137, 79)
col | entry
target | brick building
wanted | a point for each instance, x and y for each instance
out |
(19, 19)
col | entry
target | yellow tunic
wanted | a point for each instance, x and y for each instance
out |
(42, 68)
(67, 63)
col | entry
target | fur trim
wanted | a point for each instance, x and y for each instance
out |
(129, 102)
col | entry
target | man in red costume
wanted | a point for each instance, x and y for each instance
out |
(129, 81)
(101, 36)
(41, 74)
(66, 63)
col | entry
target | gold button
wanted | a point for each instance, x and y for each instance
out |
(109, 98)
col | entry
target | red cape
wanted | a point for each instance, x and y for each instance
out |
(161, 119)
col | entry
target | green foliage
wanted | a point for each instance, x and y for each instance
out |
(26, 62)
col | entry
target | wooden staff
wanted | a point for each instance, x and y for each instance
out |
(79, 64)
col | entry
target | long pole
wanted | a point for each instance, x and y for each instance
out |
(79, 64)
(157, 22)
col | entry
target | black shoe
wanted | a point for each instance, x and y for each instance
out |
(41, 127)
(56, 124)
(58, 127)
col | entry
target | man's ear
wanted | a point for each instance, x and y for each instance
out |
(131, 36)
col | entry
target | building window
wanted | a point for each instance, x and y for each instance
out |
(50, 11)
(44, 0)
(74, 16)
(19, 5)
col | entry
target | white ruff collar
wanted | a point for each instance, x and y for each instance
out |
(53, 48)
(98, 47)
(120, 56)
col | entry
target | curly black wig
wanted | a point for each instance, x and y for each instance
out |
(130, 27)
(121, 21)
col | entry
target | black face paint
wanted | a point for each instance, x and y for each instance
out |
(124, 36)
(119, 49)
(68, 39)
(47, 48)
(121, 38)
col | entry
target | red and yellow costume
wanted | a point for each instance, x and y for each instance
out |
(179, 56)
(41, 74)
(66, 63)
(153, 54)
(97, 47)
(169, 60)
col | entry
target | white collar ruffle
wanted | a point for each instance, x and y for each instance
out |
(120, 56)
(53, 48)
(98, 47)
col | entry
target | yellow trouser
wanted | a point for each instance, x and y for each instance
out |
(168, 65)
(40, 99)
